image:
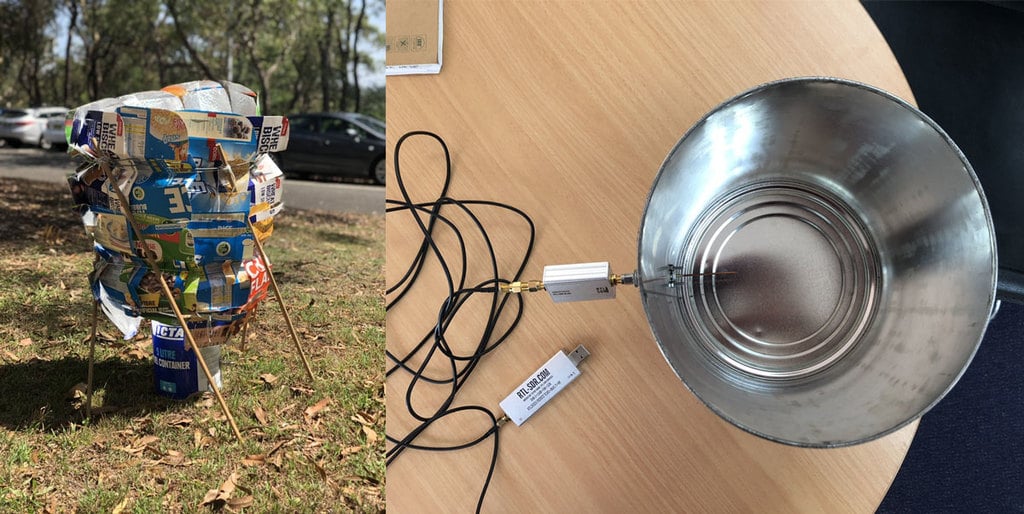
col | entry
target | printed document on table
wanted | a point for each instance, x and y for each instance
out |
(415, 30)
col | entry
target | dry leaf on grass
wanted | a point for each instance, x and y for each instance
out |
(174, 458)
(137, 354)
(312, 412)
(301, 391)
(278, 446)
(201, 440)
(276, 461)
(218, 499)
(139, 351)
(140, 445)
(363, 418)
(268, 379)
(120, 507)
(25, 342)
(261, 459)
(371, 436)
(319, 465)
(53, 505)
(286, 408)
(178, 420)
(145, 441)
(261, 415)
(235, 504)
(277, 492)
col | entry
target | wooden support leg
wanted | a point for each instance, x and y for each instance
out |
(245, 329)
(280, 300)
(153, 265)
(92, 359)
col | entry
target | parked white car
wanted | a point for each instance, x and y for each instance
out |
(25, 126)
(54, 135)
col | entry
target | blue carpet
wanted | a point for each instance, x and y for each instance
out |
(968, 454)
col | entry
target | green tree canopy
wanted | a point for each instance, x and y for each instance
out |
(300, 55)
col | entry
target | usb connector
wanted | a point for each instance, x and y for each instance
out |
(576, 356)
(542, 386)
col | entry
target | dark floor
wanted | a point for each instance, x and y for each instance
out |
(968, 454)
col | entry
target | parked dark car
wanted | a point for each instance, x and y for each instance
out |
(334, 143)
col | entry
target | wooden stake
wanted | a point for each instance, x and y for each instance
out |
(280, 300)
(190, 341)
(245, 329)
(92, 358)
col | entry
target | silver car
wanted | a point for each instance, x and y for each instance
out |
(25, 126)
(54, 135)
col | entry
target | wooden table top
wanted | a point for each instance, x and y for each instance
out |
(566, 110)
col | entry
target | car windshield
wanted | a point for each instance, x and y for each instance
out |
(14, 114)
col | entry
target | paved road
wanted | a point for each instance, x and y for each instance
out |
(54, 166)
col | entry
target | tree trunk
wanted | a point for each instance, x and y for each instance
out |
(196, 58)
(343, 55)
(73, 7)
(326, 81)
(91, 42)
(263, 77)
(299, 92)
(355, 57)
(36, 91)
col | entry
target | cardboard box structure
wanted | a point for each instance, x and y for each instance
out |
(201, 186)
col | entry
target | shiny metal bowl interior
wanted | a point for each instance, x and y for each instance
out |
(817, 262)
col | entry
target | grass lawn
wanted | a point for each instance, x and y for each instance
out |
(309, 447)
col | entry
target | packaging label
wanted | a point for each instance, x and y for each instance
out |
(192, 136)
(266, 181)
(221, 241)
(539, 388)
(112, 231)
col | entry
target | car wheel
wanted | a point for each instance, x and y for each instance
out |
(378, 171)
(44, 144)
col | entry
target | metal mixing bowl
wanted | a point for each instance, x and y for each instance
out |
(817, 262)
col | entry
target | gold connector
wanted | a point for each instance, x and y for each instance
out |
(527, 286)
(625, 278)
(502, 420)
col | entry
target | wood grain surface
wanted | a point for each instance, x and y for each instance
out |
(566, 110)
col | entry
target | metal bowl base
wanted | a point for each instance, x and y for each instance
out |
(785, 281)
